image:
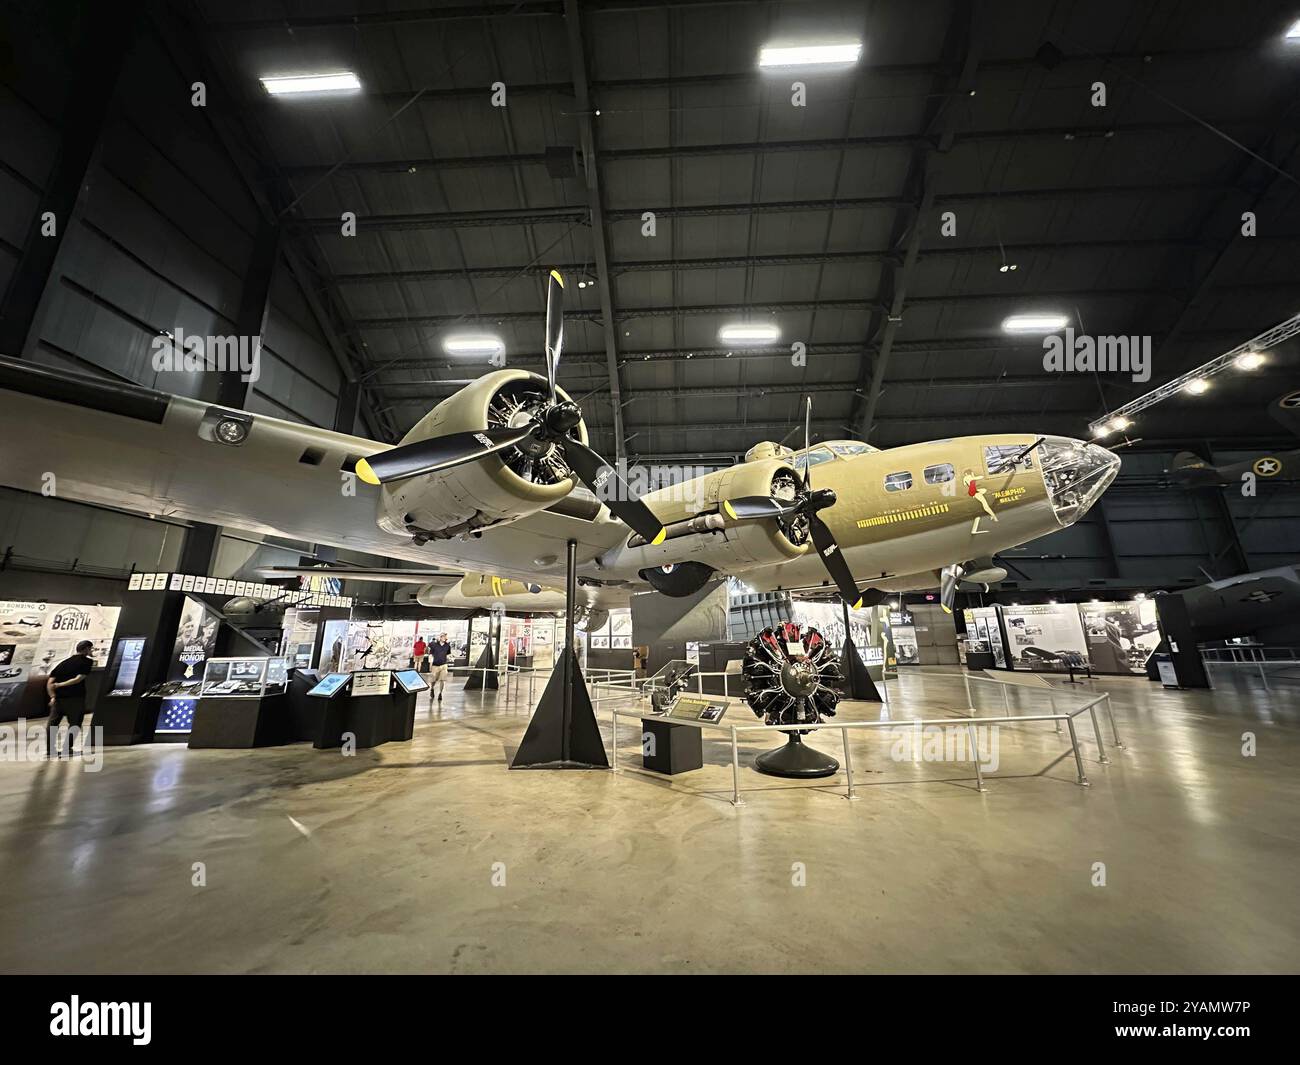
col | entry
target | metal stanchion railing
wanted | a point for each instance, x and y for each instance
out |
(844, 727)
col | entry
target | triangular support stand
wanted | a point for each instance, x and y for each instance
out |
(479, 680)
(857, 681)
(563, 733)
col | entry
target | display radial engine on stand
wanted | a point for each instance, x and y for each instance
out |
(791, 679)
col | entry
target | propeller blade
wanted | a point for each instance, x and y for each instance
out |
(757, 507)
(807, 441)
(950, 577)
(623, 503)
(833, 559)
(554, 327)
(438, 453)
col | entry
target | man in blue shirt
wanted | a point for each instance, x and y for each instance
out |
(439, 655)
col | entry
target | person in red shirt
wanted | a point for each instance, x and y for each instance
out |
(419, 651)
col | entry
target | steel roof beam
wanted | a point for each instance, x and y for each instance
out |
(683, 151)
(600, 251)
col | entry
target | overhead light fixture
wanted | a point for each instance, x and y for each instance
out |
(808, 55)
(1005, 267)
(473, 344)
(1119, 424)
(343, 81)
(1293, 34)
(1101, 429)
(1248, 360)
(1197, 386)
(1034, 323)
(749, 334)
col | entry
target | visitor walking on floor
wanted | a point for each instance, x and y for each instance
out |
(439, 654)
(66, 690)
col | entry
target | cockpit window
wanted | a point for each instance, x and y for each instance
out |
(852, 447)
(814, 457)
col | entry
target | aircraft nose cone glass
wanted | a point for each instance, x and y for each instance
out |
(1075, 473)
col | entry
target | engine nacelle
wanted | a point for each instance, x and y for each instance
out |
(494, 490)
(706, 537)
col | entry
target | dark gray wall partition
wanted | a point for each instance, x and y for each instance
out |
(161, 235)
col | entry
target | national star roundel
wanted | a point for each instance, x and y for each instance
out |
(1267, 466)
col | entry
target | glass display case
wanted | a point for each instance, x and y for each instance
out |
(243, 678)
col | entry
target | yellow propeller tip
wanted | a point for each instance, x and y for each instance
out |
(365, 472)
(728, 509)
(556, 274)
(857, 605)
(659, 539)
(946, 609)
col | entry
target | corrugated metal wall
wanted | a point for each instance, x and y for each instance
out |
(160, 240)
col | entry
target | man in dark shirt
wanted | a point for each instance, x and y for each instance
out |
(66, 688)
(439, 653)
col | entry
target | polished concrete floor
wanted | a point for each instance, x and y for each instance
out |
(432, 857)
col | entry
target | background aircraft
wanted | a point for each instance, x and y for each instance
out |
(1192, 471)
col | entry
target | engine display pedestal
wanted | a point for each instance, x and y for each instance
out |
(797, 760)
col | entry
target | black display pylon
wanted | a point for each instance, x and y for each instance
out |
(563, 733)
(857, 681)
(479, 680)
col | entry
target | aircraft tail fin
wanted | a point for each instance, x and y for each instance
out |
(1286, 410)
(1190, 469)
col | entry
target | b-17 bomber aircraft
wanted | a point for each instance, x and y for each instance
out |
(498, 478)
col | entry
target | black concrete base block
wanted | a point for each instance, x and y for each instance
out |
(674, 748)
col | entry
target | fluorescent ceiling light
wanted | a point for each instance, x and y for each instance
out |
(806, 55)
(472, 344)
(752, 334)
(1034, 323)
(344, 81)
(1248, 360)
(1293, 34)
(1197, 386)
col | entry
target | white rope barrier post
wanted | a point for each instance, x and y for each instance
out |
(848, 763)
(736, 800)
(975, 757)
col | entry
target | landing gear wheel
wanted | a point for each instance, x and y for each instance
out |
(791, 678)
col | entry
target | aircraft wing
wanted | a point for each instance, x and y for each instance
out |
(360, 573)
(123, 446)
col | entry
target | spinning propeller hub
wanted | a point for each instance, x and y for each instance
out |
(563, 416)
(821, 499)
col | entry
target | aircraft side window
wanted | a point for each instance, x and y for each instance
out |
(939, 474)
(898, 482)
